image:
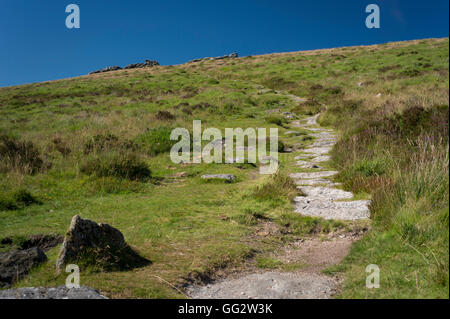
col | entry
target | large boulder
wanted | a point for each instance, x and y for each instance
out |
(16, 264)
(60, 292)
(101, 244)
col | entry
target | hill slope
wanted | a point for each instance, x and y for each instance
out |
(98, 146)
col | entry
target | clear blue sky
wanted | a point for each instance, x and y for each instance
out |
(35, 44)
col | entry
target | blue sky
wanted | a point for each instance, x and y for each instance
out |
(35, 44)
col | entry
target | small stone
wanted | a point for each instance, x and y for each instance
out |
(226, 177)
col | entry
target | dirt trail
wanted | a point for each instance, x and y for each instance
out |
(322, 199)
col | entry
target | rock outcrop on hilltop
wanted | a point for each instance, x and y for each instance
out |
(150, 63)
(146, 64)
(107, 69)
(229, 56)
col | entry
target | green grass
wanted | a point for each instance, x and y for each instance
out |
(98, 146)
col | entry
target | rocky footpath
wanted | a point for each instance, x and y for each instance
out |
(321, 198)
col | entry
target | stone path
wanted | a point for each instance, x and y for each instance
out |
(321, 199)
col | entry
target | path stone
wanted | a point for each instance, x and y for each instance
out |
(313, 175)
(320, 159)
(314, 181)
(305, 164)
(324, 135)
(315, 129)
(318, 150)
(329, 209)
(323, 143)
(325, 192)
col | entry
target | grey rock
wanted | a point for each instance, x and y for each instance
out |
(227, 177)
(325, 192)
(16, 264)
(60, 292)
(83, 234)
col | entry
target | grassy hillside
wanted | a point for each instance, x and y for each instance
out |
(98, 146)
